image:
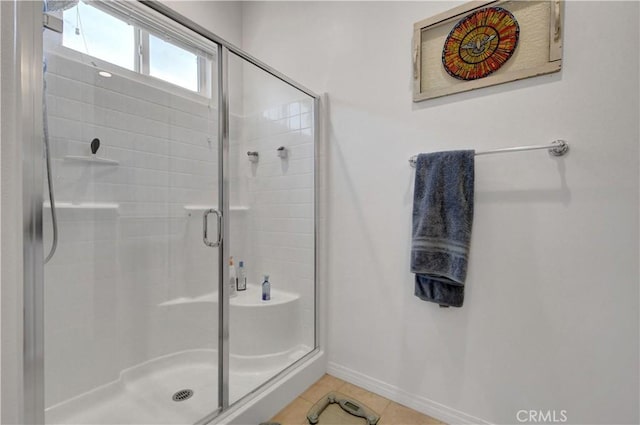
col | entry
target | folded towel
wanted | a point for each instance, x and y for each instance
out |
(442, 220)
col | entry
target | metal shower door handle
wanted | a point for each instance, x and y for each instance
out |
(205, 239)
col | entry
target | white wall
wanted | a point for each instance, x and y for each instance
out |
(550, 319)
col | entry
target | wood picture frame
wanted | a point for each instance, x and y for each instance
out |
(539, 49)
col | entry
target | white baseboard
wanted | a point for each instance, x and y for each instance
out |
(431, 408)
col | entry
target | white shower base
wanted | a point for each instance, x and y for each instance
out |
(143, 394)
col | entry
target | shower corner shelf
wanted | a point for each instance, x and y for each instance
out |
(83, 205)
(91, 160)
(82, 210)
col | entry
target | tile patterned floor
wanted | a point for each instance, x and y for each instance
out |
(391, 413)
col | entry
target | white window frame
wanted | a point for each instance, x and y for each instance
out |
(142, 54)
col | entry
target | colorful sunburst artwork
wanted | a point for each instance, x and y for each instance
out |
(480, 43)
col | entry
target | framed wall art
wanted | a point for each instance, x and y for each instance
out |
(484, 43)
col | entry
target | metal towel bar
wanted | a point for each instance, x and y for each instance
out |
(556, 148)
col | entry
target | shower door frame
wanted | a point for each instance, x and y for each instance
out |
(27, 38)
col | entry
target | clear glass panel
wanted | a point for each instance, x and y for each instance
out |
(91, 31)
(173, 64)
(272, 225)
(131, 305)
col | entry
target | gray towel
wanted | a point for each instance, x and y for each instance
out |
(442, 220)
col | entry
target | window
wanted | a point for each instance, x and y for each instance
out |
(98, 34)
(90, 30)
(173, 64)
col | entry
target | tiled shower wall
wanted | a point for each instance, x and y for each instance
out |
(282, 202)
(131, 233)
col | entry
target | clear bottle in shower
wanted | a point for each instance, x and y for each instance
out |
(242, 277)
(266, 288)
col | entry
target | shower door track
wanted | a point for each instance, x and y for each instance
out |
(27, 36)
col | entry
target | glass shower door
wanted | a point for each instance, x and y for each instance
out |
(272, 225)
(131, 292)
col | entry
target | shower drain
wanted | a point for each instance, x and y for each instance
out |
(182, 395)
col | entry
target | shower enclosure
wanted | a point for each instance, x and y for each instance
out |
(170, 152)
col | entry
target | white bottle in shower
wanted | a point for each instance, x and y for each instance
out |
(233, 279)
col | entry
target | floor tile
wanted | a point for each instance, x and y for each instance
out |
(325, 385)
(397, 414)
(294, 414)
(331, 380)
